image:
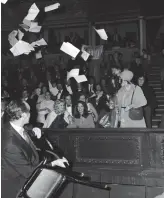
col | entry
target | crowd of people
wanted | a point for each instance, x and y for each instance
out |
(122, 98)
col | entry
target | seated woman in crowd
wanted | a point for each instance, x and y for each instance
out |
(41, 97)
(82, 119)
(110, 119)
(151, 100)
(91, 109)
(58, 118)
(44, 108)
(130, 97)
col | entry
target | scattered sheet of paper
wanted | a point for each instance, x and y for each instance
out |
(85, 55)
(32, 13)
(72, 73)
(38, 43)
(11, 37)
(69, 49)
(102, 34)
(4, 1)
(80, 78)
(27, 22)
(26, 25)
(34, 27)
(52, 7)
(20, 35)
(21, 47)
(38, 54)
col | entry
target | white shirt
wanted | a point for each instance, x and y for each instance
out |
(69, 110)
(91, 88)
(54, 91)
(19, 130)
(59, 95)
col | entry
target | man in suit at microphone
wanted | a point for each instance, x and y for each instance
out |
(19, 156)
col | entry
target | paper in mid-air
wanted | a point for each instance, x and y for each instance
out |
(4, 1)
(52, 7)
(21, 47)
(85, 55)
(38, 43)
(32, 12)
(26, 24)
(11, 37)
(34, 27)
(80, 78)
(69, 49)
(72, 73)
(102, 34)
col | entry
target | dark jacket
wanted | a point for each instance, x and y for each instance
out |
(18, 160)
(150, 96)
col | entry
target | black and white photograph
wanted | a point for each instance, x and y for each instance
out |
(82, 99)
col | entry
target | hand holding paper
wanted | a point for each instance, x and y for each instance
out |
(69, 49)
(32, 13)
(52, 7)
(102, 34)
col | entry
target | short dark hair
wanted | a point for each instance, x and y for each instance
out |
(15, 109)
(77, 114)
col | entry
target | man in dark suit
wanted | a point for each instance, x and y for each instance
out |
(19, 155)
(69, 105)
(61, 90)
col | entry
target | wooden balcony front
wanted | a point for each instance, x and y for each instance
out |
(131, 161)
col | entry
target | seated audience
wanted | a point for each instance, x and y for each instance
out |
(44, 90)
(61, 90)
(58, 117)
(110, 119)
(44, 108)
(82, 119)
(99, 99)
(91, 109)
(69, 105)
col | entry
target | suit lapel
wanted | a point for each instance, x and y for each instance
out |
(28, 151)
